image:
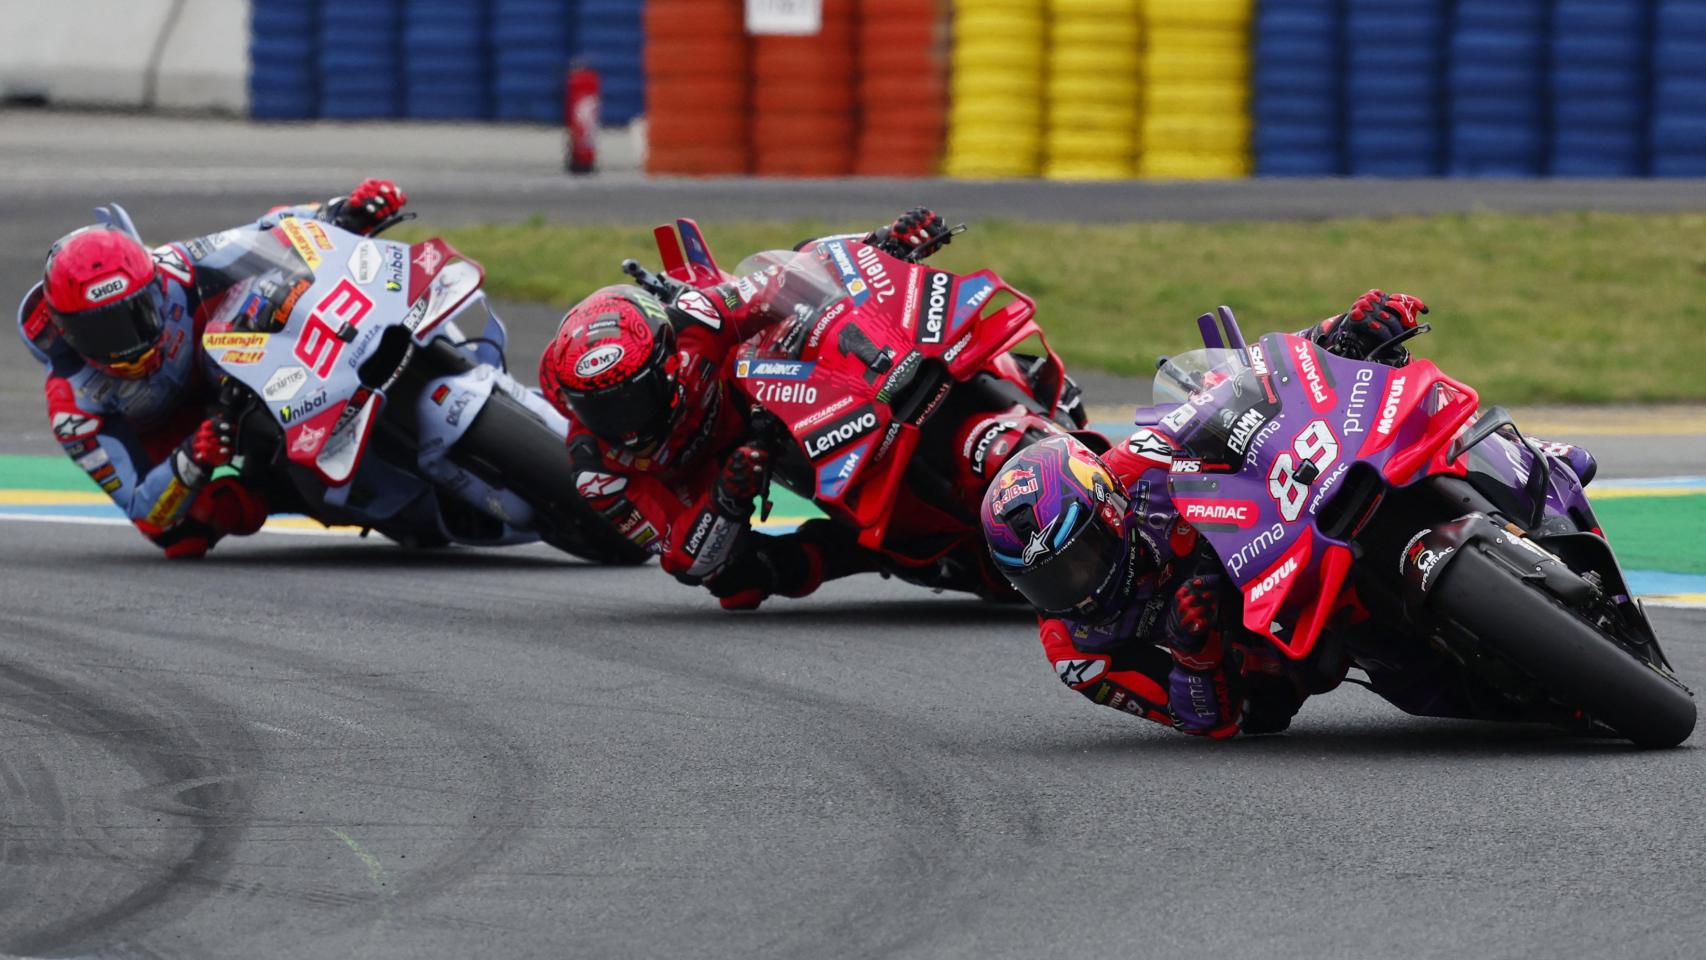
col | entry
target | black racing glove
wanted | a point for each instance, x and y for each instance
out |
(917, 234)
(1375, 318)
(741, 482)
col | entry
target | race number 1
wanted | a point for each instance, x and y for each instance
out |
(1317, 444)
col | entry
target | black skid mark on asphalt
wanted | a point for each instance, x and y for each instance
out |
(508, 780)
(189, 762)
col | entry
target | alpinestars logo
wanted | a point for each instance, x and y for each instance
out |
(1075, 673)
(934, 319)
(1038, 544)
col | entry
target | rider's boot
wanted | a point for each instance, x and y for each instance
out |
(1581, 462)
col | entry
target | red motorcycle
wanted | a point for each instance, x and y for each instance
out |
(888, 392)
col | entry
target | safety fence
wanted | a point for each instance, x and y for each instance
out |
(1066, 89)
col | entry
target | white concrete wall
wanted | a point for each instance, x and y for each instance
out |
(206, 61)
(100, 52)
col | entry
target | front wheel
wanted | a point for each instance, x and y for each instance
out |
(1573, 661)
(508, 445)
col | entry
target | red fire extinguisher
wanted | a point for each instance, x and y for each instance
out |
(580, 118)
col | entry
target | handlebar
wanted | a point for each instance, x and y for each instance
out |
(664, 287)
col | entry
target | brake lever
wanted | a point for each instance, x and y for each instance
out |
(390, 222)
(664, 287)
(935, 242)
(1396, 340)
(763, 432)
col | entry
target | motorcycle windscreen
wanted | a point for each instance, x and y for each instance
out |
(784, 285)
(1207, 394)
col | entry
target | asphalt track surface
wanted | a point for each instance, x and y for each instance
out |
(307, 747)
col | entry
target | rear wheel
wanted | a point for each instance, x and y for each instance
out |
(1573, 661)
(507, 445)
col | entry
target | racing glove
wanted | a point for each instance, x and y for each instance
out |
(1375, 318)
(1199, 691)
(368, 205)
(916, 234)
(792, 565)
(742, 480)
(204, 451)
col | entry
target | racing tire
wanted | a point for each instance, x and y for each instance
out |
(1573, 661)
(506, 441)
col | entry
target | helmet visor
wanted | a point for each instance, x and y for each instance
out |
(119, 333)
(1080, 563)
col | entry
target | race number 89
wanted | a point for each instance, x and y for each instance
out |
(1316, 443)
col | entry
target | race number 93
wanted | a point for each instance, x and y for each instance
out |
(1316, 443)
(318, 345)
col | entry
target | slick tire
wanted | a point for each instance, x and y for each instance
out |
(1573, 661)
(508, 442)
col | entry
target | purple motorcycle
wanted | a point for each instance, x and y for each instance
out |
(1369, 517)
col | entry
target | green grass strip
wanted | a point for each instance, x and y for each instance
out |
(1656, 533)
(1649, 533)
(25, 472)
(1577, 307)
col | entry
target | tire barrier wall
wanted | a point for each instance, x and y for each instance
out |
(1069, 89)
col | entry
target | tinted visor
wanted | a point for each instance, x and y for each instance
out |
(635, 413)
(119, 332)
(1082, 564)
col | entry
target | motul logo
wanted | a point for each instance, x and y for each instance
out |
(1273, 580)
(1219, 512)
(1319, 396)
(1389, 409)
(822, 443)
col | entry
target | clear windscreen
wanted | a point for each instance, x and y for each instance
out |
(1206, 394)
(261, 284)
(791, 286)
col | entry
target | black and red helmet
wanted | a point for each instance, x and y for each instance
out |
(614, 365)
(103, 295)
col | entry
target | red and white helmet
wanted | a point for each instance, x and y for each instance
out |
(104, 296)
(613, 363)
